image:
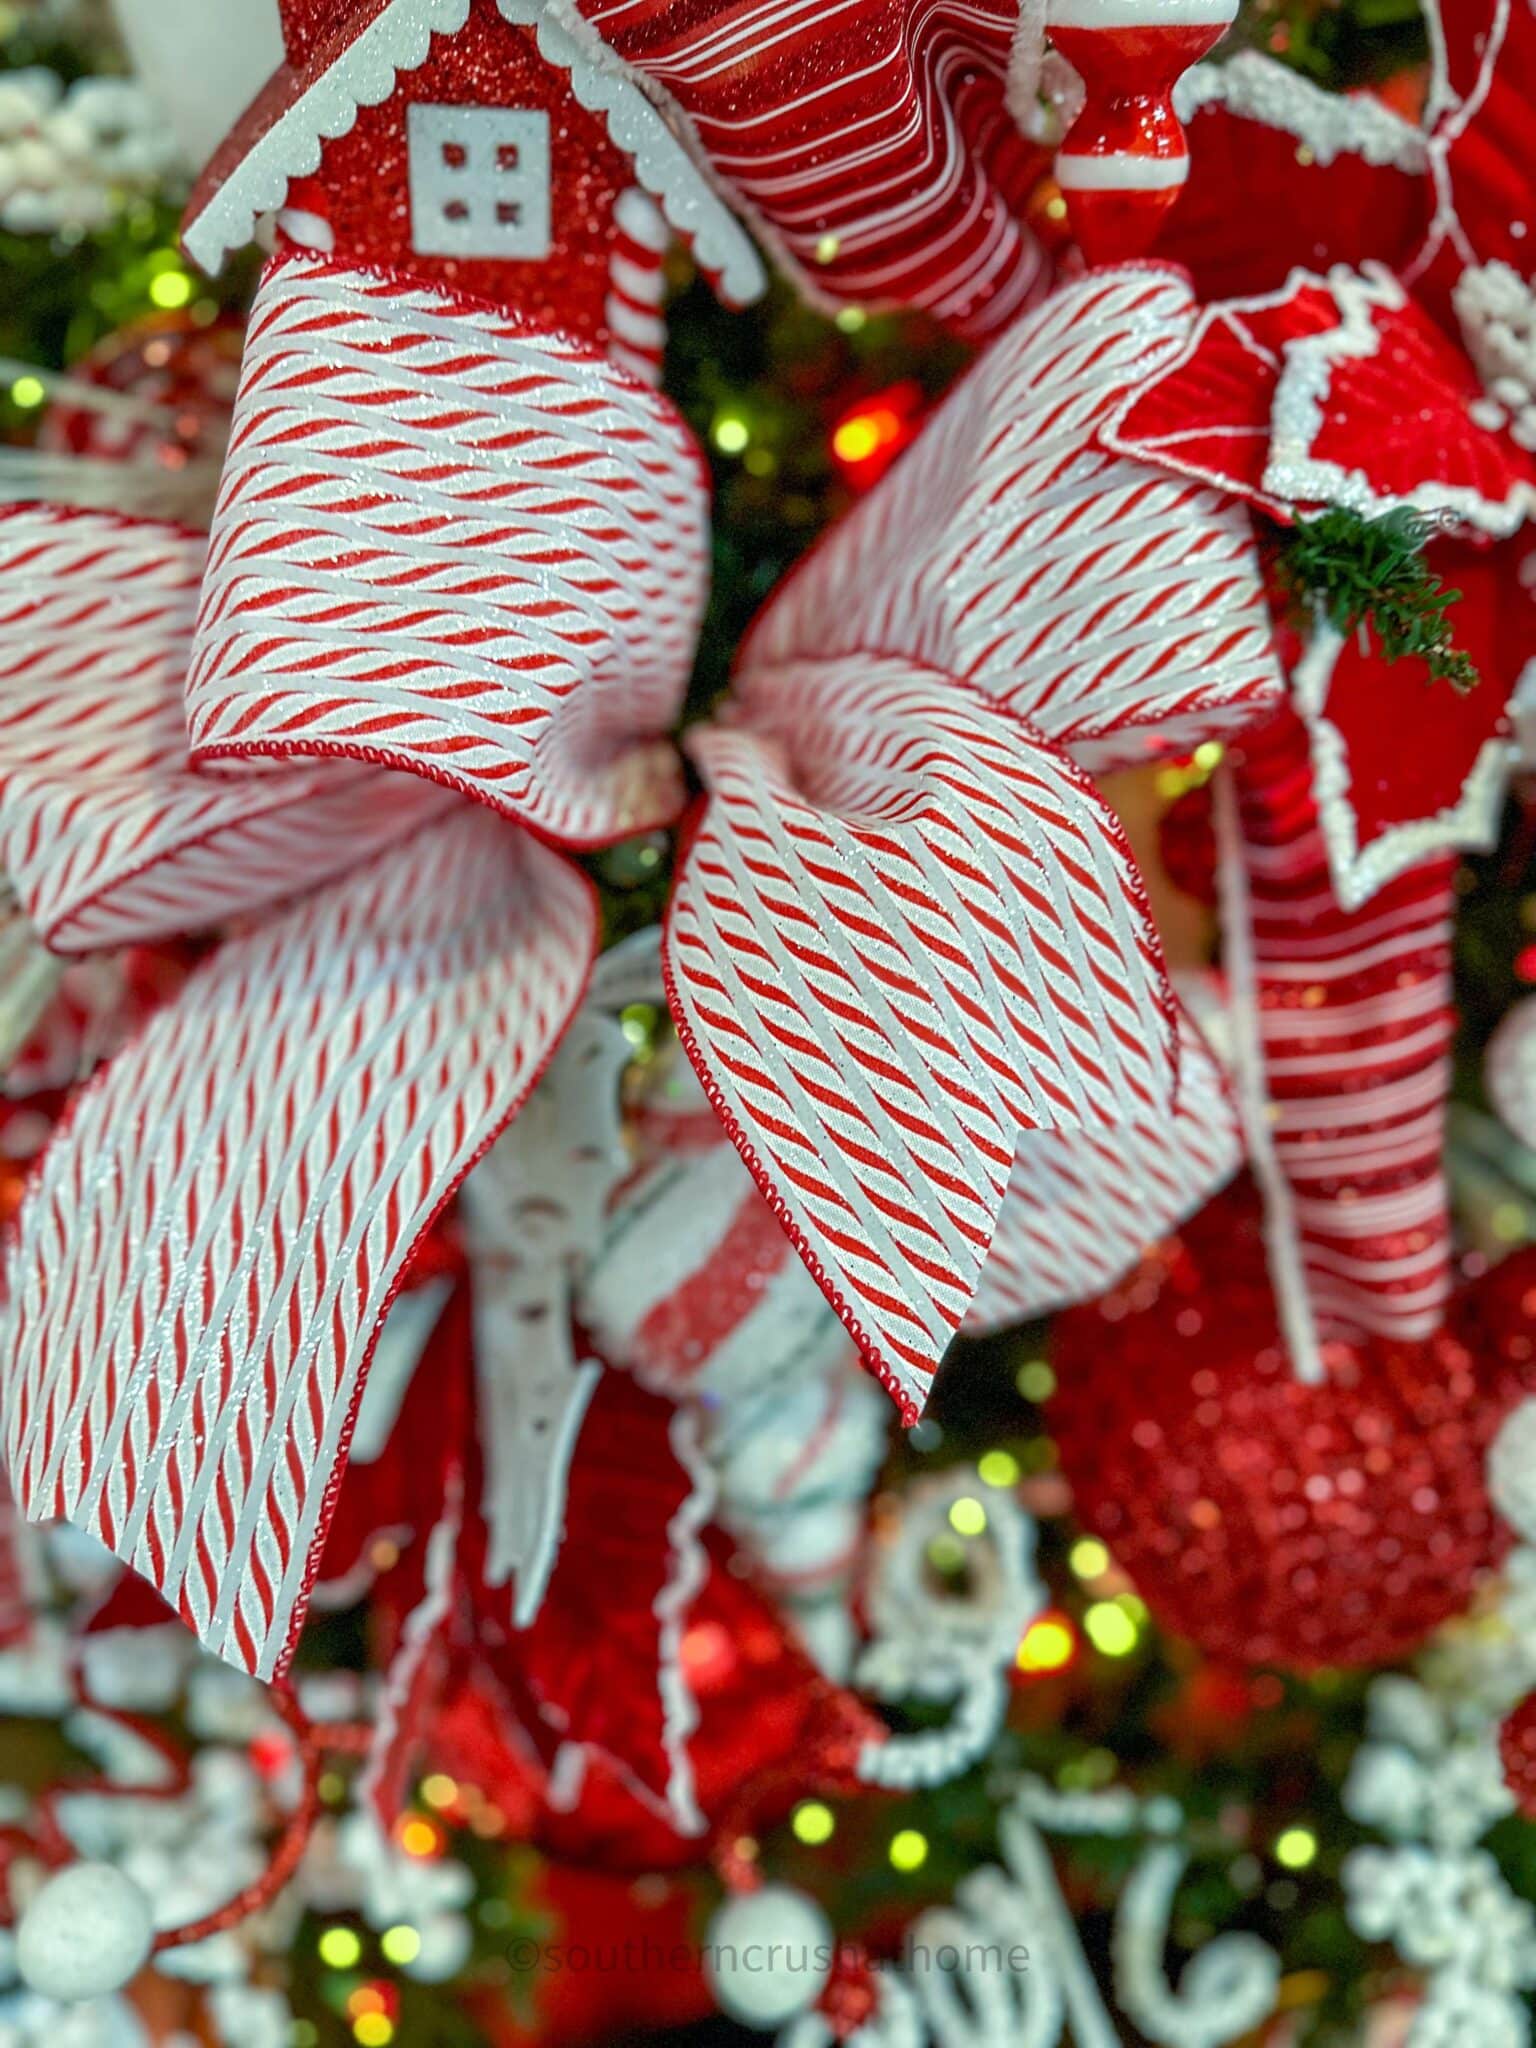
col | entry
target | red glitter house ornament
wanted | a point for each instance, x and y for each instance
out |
(490, 147)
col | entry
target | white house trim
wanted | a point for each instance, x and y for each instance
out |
(396, 40)
(399, 39)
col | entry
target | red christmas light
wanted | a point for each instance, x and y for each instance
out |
(869, 437)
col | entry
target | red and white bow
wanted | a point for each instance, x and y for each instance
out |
(454, 558)
(909, 951)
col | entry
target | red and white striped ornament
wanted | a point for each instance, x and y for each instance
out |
(1125, 159)
(1353, 1021)
(870, 141)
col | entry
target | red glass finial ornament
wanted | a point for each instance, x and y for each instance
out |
(1125, 158)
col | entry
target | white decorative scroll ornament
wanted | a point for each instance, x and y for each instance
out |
(1004, 1967)
(190, 1840)
(533, 1209)
(933, 1644)
(1430, 1780)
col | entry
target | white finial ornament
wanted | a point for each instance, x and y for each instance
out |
(85, 1935)
(769, 1956)
(1512, 1471)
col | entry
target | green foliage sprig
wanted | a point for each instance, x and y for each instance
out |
(1373, 573)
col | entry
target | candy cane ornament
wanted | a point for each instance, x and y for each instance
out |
(1125, 159)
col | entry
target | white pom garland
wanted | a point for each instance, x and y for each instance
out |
(85, 1935)
(769, 1956)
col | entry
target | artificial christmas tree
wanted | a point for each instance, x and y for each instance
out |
(509, 1052)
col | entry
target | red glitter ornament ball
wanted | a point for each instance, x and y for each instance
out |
(1267, 1521)
(1517, 1753)
(184, 371)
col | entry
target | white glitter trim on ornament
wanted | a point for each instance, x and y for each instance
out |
(1168, 451)
(680, 1711)
(1450, 115)
(1470, 825)
(1328, 124)
(668, 171)
(1496, 307)
(396, 42)
(1296, 476)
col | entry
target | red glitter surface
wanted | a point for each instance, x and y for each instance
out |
(363, 184)
(1267, 1521)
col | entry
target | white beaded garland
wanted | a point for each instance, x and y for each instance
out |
(86, 1934)
(1512, 1471)
(769, 1956)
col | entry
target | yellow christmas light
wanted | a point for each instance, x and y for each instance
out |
(401, 1945)
(967, 1517)
(999, 1469)
(813, 1823)
(1110, 1629)
(340, 1949)
(1049, 1645)
(1296, 1848)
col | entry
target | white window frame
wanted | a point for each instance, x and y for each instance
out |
(480, 183)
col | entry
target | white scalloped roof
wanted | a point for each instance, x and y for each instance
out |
(398, 39)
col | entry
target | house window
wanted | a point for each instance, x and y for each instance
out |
(480, 182)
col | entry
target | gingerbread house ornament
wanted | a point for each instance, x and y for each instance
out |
(453, 496)
(491, 148)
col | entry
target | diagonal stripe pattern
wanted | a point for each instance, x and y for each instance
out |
(105, 834)
(213, 1239)
(1117, 608)
(1083, 1206)
(870, 140)
(451, 543)
(906, 931)
(454, 558)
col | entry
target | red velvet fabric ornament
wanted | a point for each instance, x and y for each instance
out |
(1269, 1521)
(1517, 1753)
(768, 1726)
(1295, 214)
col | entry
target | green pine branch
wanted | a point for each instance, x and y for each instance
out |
(1372, 573)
